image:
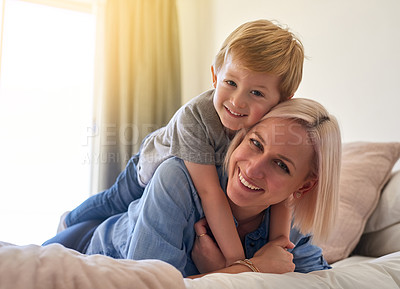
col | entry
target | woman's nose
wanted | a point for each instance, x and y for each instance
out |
(256, 168)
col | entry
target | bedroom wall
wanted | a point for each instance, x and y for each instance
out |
(353, 50)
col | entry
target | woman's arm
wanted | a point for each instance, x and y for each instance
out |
(161, 224)
(217, 210)
(271, 258)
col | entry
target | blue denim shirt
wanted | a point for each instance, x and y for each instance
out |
(160, 225)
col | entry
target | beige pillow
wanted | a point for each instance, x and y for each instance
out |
(365, 169)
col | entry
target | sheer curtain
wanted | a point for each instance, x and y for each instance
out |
(137, 80)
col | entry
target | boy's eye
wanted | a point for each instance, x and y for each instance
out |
(257, 93)
(257, 144)
(231, 83)
(283, 166)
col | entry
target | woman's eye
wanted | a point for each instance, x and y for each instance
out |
(257, 93)
(256, 143)
(231, 83)
(283, 166)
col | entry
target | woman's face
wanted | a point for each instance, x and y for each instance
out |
(272, 162)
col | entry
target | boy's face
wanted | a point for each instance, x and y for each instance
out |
(242, 97)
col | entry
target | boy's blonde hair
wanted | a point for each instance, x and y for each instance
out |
(263, 46)
(315, 211)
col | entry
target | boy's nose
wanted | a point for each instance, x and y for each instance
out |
(238, 99)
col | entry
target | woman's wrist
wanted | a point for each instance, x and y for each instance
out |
(248, 263)
(239, 266)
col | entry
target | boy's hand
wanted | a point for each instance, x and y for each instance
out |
(205, 254)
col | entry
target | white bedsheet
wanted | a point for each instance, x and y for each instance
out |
(381, 273)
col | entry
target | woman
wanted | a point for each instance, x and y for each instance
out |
(292, 154)
(293, 127)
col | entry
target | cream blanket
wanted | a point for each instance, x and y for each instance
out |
(55, 267)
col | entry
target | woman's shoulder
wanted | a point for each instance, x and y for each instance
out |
(173, 162)
(172, 167)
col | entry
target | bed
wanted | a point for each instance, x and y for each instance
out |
(363, 249)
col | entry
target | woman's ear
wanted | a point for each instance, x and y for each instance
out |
(307, 186)
(214, 76)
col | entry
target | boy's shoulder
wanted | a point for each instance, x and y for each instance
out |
(198, 116)
(201, 106)
(200, 109)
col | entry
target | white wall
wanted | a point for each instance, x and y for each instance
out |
(197, 45)
(353, 49)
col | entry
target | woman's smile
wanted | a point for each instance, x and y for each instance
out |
(247, 183)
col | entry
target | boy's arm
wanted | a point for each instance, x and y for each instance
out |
(280, 221)
(217, 210)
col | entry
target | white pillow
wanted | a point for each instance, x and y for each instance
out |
(387, 211)
(380, 243)
(382, 231)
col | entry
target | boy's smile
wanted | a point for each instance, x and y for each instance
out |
(242, 97)
(234, 113)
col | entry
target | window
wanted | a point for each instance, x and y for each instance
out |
(46, 88)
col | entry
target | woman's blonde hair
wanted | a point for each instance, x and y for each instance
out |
(315, 211)
(263, 46)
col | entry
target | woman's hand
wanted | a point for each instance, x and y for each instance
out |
(206, 254)
(273, 257)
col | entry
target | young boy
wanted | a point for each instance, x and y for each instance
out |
(259, 65)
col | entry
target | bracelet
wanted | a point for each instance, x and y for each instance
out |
(247, 263)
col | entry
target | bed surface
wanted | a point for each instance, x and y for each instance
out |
(357, 272)
(23, 267)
